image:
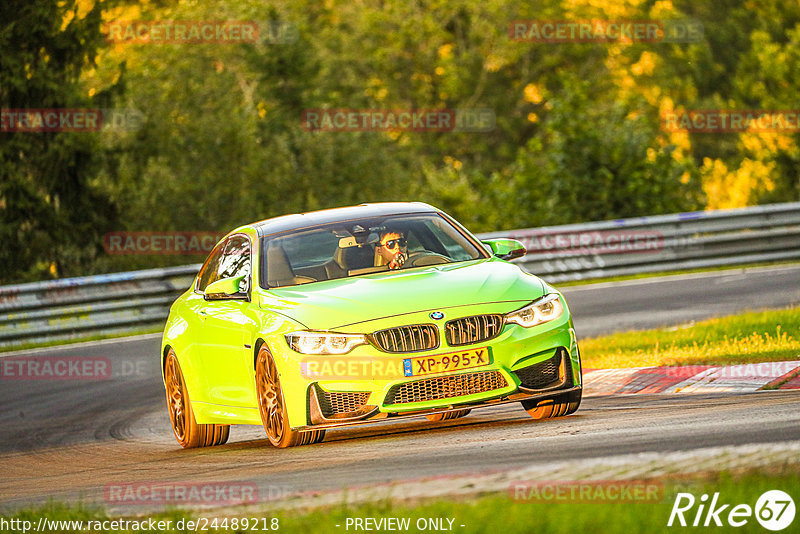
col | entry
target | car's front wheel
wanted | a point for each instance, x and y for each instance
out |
(273, 408)
(188, 433)
(556, 407)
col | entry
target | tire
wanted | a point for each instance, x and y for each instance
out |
(447, 416)
(272, 408)
(181, 416)
(557, 407)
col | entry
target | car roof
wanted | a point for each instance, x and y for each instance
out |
(297, 221)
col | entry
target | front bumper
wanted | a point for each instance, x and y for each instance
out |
(527, 363)
(542, 380)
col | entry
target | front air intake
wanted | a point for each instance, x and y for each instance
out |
(411, 338)
(473, 329)
(446, 387)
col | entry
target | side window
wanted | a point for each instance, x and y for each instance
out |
(236, 259)
(208, 273)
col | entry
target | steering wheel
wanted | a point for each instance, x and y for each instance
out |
(421, 259)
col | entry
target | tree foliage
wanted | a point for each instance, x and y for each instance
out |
(52, 211)
(577, 134)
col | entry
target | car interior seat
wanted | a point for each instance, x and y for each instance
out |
(279, 270)
(351, 258)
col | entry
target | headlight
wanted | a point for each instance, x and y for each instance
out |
(324, 342)
(543, 310)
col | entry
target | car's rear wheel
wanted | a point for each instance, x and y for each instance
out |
(435, 417)
(556, 407)
(188, 433)
(273, 408)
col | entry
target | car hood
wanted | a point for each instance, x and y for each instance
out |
(347, 301)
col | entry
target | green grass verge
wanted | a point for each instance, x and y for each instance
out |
(750, 337)
(492, 513)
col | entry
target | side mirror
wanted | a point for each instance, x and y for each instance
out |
(506, 249)
(227, 288)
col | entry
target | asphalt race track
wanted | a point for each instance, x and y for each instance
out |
(671, 300)
(70, 439)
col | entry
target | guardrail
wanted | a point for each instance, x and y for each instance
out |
(90, 305)
(122, 302)
(661, 243)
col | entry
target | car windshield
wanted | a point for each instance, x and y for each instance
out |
(362, 246)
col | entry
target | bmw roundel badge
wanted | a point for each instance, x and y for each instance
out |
(437, 315)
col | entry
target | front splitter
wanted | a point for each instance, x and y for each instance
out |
(383, 416)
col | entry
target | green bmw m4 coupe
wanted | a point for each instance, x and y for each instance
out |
(348, 316)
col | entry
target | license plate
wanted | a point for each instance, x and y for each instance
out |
(452, 361)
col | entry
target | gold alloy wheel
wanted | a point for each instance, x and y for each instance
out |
(550, 408)
(184, 426)
(269, 396)
(175, 400)
(272, 408)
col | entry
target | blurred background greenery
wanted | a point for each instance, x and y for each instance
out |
(220, 143)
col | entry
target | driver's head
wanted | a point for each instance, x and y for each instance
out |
(391, 245)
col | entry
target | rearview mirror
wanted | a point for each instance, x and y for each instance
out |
(227, 288)
(506, 249)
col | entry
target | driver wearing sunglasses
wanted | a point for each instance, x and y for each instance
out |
(391, 250)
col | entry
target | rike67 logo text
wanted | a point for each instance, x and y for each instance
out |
(774, 510)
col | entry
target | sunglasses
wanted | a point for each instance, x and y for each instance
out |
(392, 243)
